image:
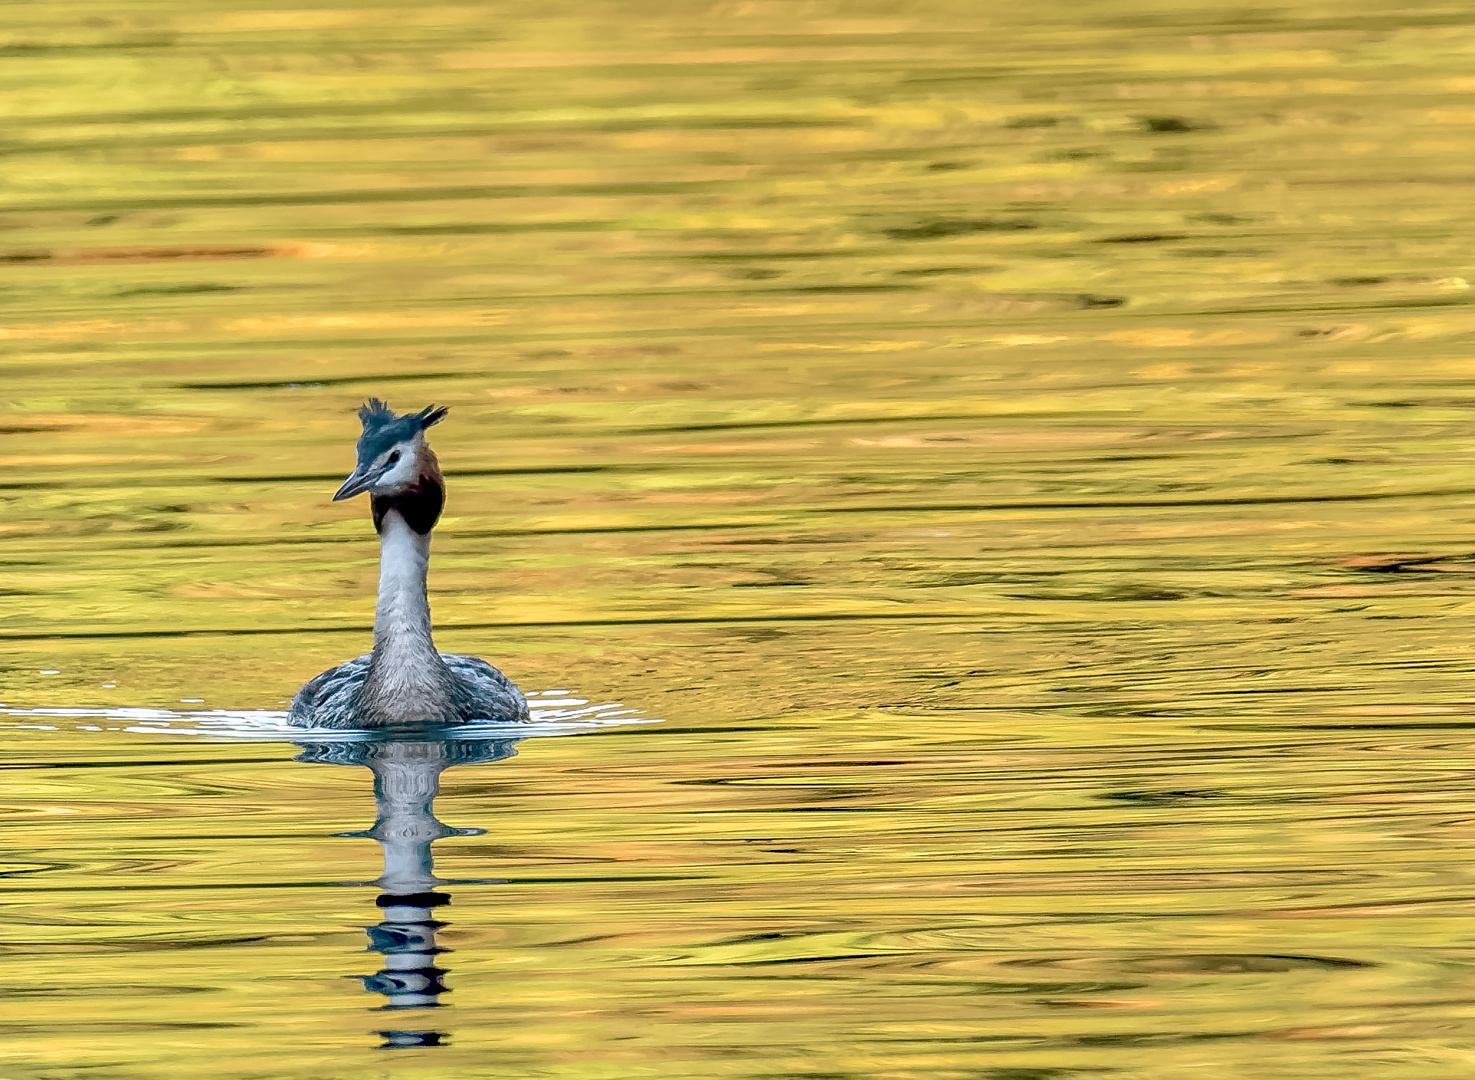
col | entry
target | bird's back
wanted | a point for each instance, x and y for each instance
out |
(479, 692)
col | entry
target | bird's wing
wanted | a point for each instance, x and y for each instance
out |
(495, 694)
(326, 700)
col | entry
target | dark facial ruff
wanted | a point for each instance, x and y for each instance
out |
(419, 505)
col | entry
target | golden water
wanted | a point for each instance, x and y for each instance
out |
(1021, 451)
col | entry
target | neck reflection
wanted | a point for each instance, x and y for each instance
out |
(406, 782)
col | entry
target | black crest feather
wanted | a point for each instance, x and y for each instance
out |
(383, 429)
(375, 411)
(432, 414)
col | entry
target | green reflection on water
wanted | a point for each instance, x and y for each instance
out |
(1022, 454)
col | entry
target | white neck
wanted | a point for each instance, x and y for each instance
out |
(403, 611)
(407, 676)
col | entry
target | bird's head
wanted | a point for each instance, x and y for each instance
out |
(392, 452)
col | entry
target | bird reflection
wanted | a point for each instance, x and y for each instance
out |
(407, 772)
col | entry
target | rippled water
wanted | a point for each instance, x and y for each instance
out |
(1021, 456)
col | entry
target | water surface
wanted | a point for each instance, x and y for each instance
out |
(1021, 455)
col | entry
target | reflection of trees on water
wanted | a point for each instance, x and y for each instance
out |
(406, 781)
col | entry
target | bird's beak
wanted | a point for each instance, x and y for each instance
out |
(358, 481)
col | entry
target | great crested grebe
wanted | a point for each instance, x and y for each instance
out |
(404, 681)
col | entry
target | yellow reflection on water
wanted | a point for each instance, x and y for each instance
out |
(1021, 455)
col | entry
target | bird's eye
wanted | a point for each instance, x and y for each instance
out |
(393, 459)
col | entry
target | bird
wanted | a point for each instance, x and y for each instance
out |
(405, 681)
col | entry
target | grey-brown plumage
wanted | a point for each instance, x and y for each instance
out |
(405, 680)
